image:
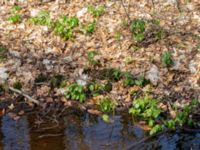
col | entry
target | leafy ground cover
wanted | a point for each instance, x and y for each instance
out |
(105, 56)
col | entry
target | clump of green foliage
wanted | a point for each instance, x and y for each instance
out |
(96, 11)
(96, 88)
(43, 18)
(141, 81)
(3, 52)
(166, 59)
(17, 85)
(160, 32)
(64, 26)
(138, 29)
(75, 92)
(107, 105)
(16, 9)
(15, 17)
(115, 74)
(89, 28)
(147, 109)
(91, 58)
(111, 74)
(129, 80)
(105, 117)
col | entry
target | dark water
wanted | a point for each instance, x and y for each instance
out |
(87, 132)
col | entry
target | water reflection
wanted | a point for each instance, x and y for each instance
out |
(15, 133)
(91, 133)
(87, 132)
(171, 141)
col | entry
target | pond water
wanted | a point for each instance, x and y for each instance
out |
(88, 132)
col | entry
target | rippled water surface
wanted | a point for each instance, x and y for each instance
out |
(87, 132)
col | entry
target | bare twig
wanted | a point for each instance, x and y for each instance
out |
(50, 135)
(25, 95)
(126, 11)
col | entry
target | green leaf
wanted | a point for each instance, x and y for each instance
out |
(105, 118)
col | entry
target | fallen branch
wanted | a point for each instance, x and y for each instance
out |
(25, 95)
(50, 135)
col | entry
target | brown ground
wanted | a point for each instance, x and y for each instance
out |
(34, 49)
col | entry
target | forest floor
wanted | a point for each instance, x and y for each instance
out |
(39, 65)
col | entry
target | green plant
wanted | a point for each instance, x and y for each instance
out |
(68, 22)
(116, 74)
(75, 92)
(43, 18)
(107, 105)
(138, 29)
(128, 79)
(141, 81)
(3, 52)
(96, 11)
(17, 85)
(157, 128)
(89, 27)
(95, 88)
(111, 74)
(90, 56)
(64, 26)
(105, 117)
(166, 59)
(16, 9)
(16, 18)
(146, 108)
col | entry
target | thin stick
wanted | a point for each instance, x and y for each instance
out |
(126, 11)
(25, 95)
(50, 135)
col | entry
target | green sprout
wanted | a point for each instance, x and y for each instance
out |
(166, 59)
(43, 18)
(64, 26)
(107, 105)
(91, 57)
(96, 11)
(16, 9)
(89, 27)
(15, 18)
(75, 92)
(138, 29)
